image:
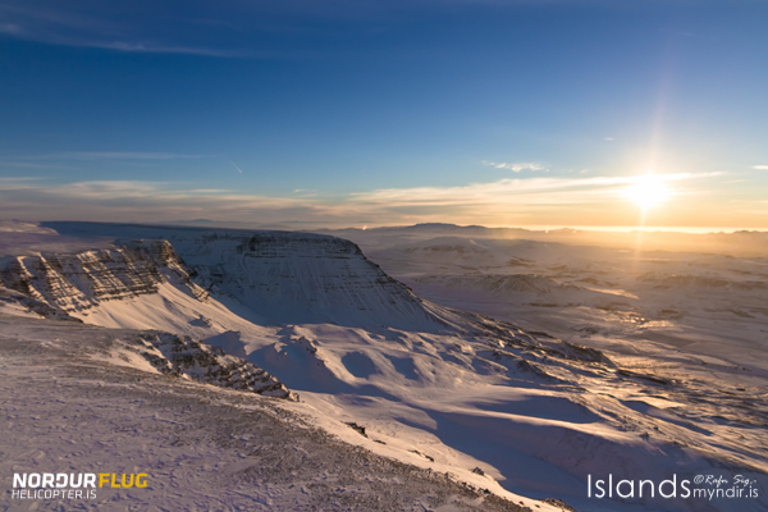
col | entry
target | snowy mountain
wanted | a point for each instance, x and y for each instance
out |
(518, 412)
(286, 277)
(72, 285)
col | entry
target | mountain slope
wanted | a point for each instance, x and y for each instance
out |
(79, 406)
(443, 389)
(286, 277)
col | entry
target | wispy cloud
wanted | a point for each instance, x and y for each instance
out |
(138, 201)
(11, 29)
(222, 30)
(122, 155)
(156, 47)
(32, 165)
(516, 166)
(508, 201)
(552, 200)
(16, 180)
(555, 191)
(235, 166)
(93, 29)
(760, 167)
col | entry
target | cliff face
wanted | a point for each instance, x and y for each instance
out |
(280, 277)
(303, 278)
(80, 281)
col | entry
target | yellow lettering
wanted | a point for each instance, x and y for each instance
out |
(130, 482)
(141, 480)
(103, 478)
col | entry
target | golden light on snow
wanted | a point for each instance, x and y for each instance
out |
(648, 190)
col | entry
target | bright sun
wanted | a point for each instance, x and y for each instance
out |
(648, 191)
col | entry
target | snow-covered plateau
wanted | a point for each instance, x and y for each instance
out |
(266, 370)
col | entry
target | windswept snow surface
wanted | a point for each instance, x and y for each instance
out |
(500, 407)
(624, 291)
(73, 401)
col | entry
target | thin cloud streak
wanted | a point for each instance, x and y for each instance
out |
(220, 31)
(122, 155)
(65, 28)
(108, 192)
(235, 166)
(146, 47)
(515, 167)
(530, 191)
(507, 200)
(16, 181)
(30, 165)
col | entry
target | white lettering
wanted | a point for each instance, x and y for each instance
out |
(33, 480)
(19, 480)
(631, 493)
(642, 483)
(79, 480)
(600, 484)
(685, 484)
(673, 483)
(89, 480)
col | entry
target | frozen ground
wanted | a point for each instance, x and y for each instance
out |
(706, 294)
(72, 401)
(505, 409)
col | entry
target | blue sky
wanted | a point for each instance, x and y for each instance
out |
(369, 113)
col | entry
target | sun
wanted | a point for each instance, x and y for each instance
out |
(648, 191)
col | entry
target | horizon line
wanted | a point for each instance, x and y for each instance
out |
(293, 225)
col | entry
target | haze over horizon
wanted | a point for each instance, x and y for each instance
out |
(588, 113)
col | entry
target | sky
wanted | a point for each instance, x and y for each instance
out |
(352, 113)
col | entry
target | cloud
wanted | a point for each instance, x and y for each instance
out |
(30, 165)
(135, 28)
(515, 167)
(139, 201)
(10, 29)
(16, 180)
(235, 166)
(229, 29)
(760, 167)
(74, 160)
(521, 192)
(154, 47)
(123, 155)
(510, 201)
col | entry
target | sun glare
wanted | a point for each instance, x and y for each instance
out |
(648, 191)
